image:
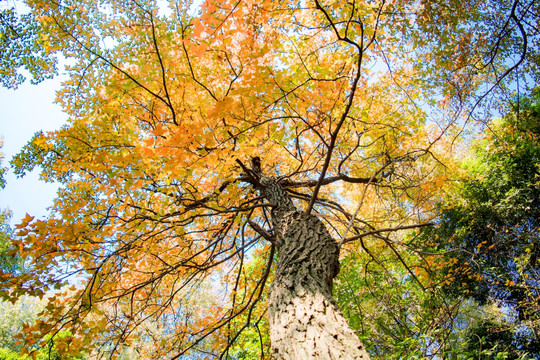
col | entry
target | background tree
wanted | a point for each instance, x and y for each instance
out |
(201, 139)
(491, 228)
(9, 262)
(12, 318)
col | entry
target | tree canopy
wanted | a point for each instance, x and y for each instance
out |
(183, 121)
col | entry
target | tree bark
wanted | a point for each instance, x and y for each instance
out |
(305, 321)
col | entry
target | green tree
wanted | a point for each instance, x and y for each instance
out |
(2, 169)
(14, 316)
(10, 262)
(48, 352)
(7, 354)
(491, 229)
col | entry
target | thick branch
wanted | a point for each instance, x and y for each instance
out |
(310, 183)
(265, 234)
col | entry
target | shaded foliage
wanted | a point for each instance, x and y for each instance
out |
(10, 262)
(491, 228)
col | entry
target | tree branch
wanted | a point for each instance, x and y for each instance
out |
(377, 231)
(263, 232)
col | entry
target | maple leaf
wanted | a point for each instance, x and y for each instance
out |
(24, 222)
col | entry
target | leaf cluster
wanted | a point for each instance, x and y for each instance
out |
(23, 45)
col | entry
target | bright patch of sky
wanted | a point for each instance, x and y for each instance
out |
(166, 10)
(23, 112)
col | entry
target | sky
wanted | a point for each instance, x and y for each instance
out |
(23, 112)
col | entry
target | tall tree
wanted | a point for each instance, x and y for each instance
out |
(200, 136)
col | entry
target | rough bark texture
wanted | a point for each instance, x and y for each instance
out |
(305, 321)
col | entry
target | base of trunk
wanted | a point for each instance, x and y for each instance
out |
(308, 326)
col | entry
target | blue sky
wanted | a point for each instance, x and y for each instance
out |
(24, 111)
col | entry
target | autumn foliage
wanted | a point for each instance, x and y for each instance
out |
(159, 234)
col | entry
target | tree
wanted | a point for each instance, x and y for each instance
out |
(12, 318)
(490, 228)
(47, 353)
(9, 262)
(203, 139)
(2, 170)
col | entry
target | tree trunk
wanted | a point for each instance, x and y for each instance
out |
(305, 321)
